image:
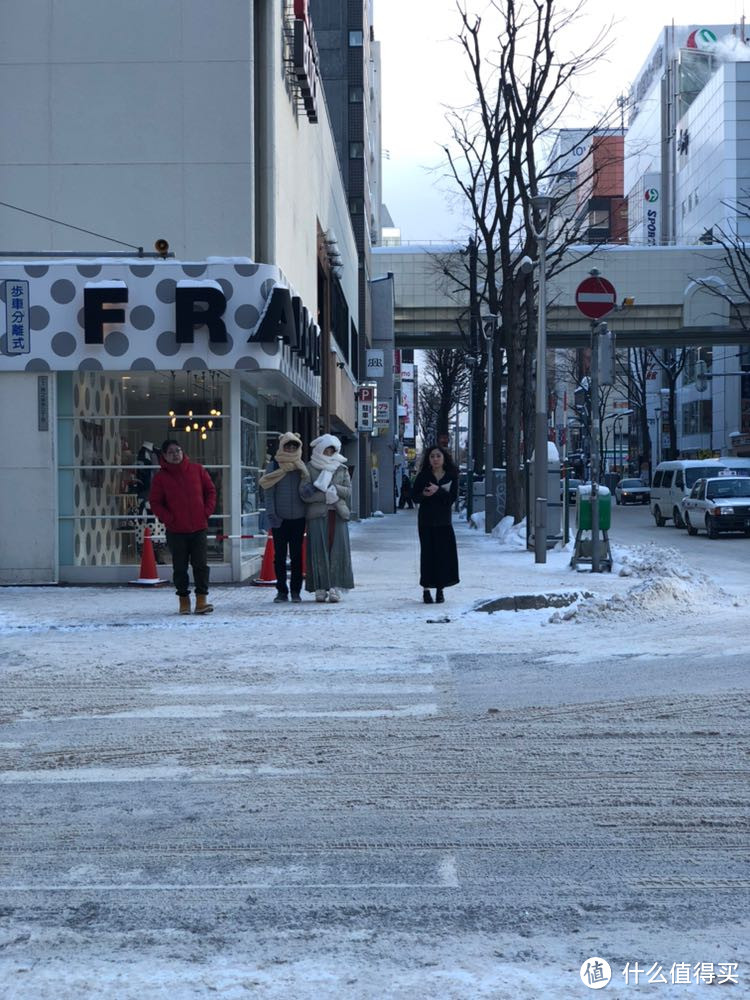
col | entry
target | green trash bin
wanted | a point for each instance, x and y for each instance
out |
(583, 510)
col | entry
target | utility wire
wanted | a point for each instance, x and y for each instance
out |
(57, 222)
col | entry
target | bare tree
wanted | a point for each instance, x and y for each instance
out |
(671, 362)
(522, 86)
(635, 367)
(736, 292)
(445, 383)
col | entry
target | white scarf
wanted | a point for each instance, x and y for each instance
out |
(328, 464)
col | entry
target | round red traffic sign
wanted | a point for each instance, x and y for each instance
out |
(595, 297)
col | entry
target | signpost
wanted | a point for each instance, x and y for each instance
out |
(595, 298)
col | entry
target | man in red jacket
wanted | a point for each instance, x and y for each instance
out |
(183, 497)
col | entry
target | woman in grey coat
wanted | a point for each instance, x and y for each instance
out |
(285, 512)
(327, 495)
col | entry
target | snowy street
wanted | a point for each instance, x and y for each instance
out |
(381, 799)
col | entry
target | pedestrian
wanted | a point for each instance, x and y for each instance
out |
(435, 490)
(183, 497)
(285, 513)
(327, 494)
(405, 497)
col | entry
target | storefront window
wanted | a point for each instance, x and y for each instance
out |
(110, 428)
(250, 460)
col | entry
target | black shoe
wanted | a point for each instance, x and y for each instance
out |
(439, 598)
(427, 597)
(296, 599)
(280, 598)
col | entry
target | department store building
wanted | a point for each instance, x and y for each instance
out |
(104, 359)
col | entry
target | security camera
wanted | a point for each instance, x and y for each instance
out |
(341, 364)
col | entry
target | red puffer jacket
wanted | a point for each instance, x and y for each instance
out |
(182, 496)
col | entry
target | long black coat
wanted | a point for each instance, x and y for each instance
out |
(435, 510)
(438, 556)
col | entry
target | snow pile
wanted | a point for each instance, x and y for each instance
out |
(652, 560)
(512, 536)
(669, 586)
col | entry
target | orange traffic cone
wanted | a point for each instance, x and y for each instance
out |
(267, 576)
(149, 576)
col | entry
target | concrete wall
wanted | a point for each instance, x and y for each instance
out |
(27, 473)
(137, 120)
(130, 119)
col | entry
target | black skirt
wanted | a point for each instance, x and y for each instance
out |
(438, 557)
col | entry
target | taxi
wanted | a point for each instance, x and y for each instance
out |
(718, 504)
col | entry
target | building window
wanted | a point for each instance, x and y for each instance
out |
(356, 95)
(110, 427)
(356, 206)
(356, 150)
(356, 38)
(354, 350)
(697, 417)
(252, 455)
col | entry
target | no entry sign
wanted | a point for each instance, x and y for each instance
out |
(595, 297)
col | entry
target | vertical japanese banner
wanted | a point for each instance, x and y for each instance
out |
(17, 317)
(366, 409)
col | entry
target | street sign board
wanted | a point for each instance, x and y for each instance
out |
(595, 297)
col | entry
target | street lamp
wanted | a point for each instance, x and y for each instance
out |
(624, 413)
(543, 205)
(657, 417)
(489, 327)
(614, 417)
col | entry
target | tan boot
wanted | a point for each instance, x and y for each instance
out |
(184, 604)
(202, 607)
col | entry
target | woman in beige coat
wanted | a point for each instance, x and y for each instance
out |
(327, 495)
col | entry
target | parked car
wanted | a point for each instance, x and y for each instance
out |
(573, 485)
(673, 481)
(721, 503)
(631, 491)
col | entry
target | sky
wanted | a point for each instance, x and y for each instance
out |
(422, 72)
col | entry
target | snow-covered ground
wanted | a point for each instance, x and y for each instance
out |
(380, 798)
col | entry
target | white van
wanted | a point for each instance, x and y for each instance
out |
(674, 480)
(739, 465)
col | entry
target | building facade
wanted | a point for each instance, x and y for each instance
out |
(350, 71)
(205, 128)
(687, 172)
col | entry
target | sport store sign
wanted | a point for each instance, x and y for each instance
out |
(129, 314)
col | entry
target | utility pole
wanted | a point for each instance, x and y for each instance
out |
(474, 326)
(596, 329)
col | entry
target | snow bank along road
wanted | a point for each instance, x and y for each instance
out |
(367, 800)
